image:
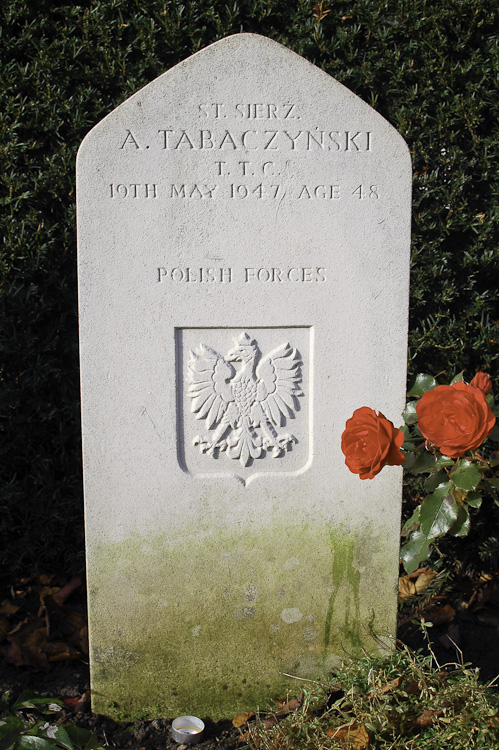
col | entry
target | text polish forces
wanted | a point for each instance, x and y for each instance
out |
(199, 275)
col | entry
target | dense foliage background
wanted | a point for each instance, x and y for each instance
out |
(428, 67)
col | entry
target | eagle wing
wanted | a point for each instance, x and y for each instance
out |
(278, 385)
(210, 389)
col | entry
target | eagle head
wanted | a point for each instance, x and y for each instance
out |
(245, 351)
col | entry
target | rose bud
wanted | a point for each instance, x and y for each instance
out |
(483, 381)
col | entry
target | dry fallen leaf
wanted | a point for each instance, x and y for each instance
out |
(83, 703)
(28, 645)
(440, 615)
(4, 628)
(269, 722)
(291, 705)
(241, 719)
(60, 651)
(47, 632)
(411, 687)
(452, 638)
(62, 594)
(48, 591)
(7, 608)
(71, 701)
(392, 685)
(45, 580)
(424, 579)
(427, 718)
(355, 736)
(488, 616)
(406, 587)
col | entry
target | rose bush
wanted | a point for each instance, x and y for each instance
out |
(455, 418)
(444, 427)
(370, 441)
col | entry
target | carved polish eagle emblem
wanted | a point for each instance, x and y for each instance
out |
(246, 403)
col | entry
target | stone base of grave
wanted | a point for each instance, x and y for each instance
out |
(215, 628)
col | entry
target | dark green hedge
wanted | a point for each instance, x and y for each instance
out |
(428, 67)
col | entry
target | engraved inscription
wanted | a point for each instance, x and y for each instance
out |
(245, 398)
(251, 111)
(133, 190)
(200, 275)
(265, 191)
(260, 140)
(256, 151)
(193, 191)
(195, 275)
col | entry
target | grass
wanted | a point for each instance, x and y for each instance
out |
(402, 702)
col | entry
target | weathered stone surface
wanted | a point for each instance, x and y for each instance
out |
(243, 231)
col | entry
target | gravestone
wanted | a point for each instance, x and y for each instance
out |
(243, 233)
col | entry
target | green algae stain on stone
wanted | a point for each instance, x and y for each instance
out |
(344, 602)
(211, 622)
(210, 625)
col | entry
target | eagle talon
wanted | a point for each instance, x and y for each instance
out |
(203, 443)
(286, 441)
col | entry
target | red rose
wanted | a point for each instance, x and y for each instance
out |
(370, 441)
(483, 381)
(456, 418)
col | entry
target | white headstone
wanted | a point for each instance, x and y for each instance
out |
(243, 233)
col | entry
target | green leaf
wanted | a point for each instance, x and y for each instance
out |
(494, 481)
(494, 459)
(34, 729)
(94, 744)
(473, 499)
(409, 414)
(412, 523)
(439, 512)
(466, 475)
(415, 551)
(10, 729)
(418, 463)
(30, 742)
(81, 738)
(29, 699)
(459, 378)
(421, 384)
(62, 738)
(462, 524)
(9, 724)
(24, 700)
(404, 429)
(434, 480)
(8, 740)
(444, 461)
